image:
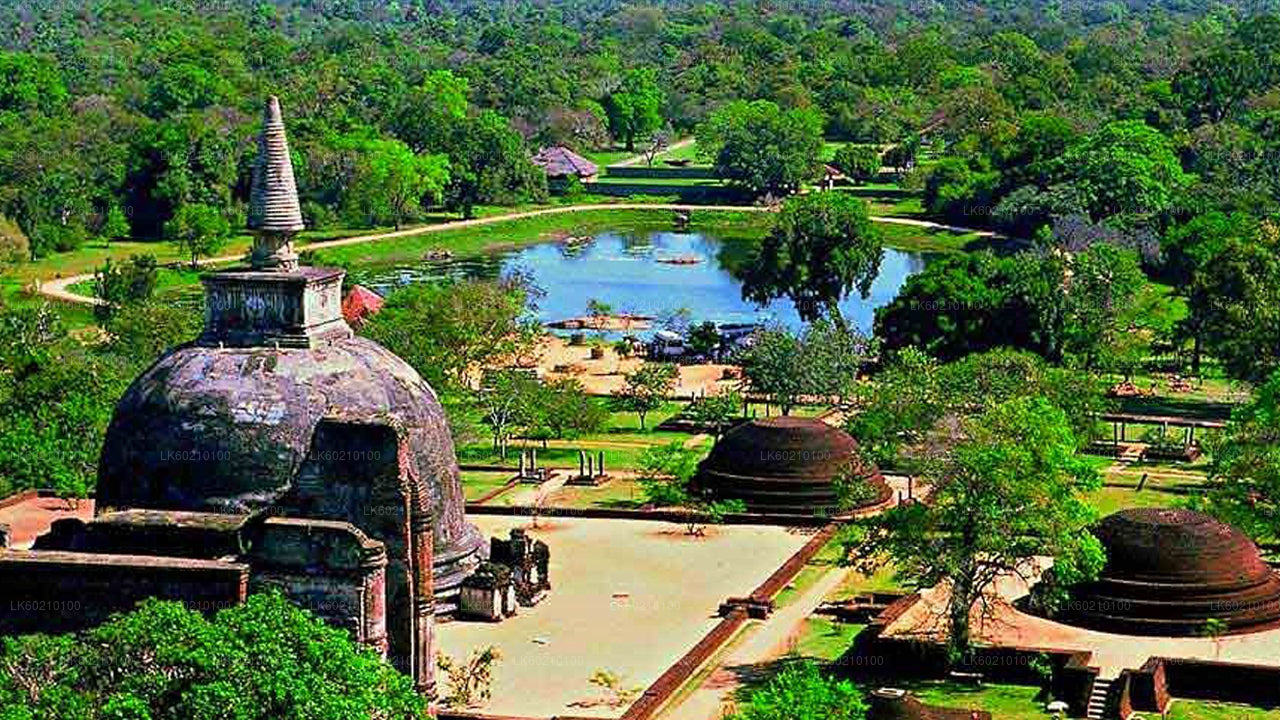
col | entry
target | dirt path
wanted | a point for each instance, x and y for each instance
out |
(749, 658)
(57, 289)
(637, 159)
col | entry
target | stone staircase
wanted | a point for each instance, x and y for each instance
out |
(1099, 707)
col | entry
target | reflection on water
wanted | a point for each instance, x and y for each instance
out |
(634, 272)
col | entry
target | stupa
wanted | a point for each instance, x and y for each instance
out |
(792, 465)
(1169, 572)
(279, 409)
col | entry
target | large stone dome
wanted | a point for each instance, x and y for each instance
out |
(789, 465)
(227, 429)
(1169, 571)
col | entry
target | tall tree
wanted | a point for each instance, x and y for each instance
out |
(391, 181)
(635, 108)
(822, 246)
(1010, 490)
(763, 148)
(645, 389)
(262, 659)
(1235, 305)
(199, 231)
(1244, 478)
(489, 163)
(449, 332)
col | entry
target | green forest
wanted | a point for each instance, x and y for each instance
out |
(115, 116)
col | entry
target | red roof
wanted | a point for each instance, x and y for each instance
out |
(360, 303)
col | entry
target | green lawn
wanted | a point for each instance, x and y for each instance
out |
(675, 182)
(827, 560)
(685, 152)
(1004, 702)
(622, 443)
(476, 483)
(825, 640)
(616, 494)
(922, 239)
(608, 157)
(1195, 710)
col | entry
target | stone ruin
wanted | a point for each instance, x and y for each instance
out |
(278, 450)
(517, 575)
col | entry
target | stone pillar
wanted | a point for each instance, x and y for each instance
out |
(424, 605)
(373, 569)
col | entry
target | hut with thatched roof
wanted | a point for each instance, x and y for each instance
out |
(560, 163)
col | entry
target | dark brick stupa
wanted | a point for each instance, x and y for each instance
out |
(276, 452)
(791, 465)
(1169, 571)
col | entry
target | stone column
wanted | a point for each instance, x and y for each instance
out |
(424, 606)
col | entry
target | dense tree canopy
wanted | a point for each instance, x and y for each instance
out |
(822, 247)
(1009, 490)
(263, 659)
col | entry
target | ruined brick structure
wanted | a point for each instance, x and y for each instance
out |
(278, 450)
(792, 465)
(1170, 571)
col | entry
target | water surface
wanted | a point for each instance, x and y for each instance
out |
(626, 271)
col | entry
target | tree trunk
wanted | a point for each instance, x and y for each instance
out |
(960, 606)
(1195, 354)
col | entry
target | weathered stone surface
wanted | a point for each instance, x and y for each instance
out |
(790, 465)
(1170, 571)
(227, 429)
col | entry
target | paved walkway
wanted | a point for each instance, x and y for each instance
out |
(751, 654)
(57, 289)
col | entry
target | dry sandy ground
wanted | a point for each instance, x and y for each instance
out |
(1006, 625)
(604, 376)
(629, 596)
(28, 520)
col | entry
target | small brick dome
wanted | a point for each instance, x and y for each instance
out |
(788, 465)
(1169, 571)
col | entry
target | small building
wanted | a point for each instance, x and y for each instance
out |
(560, 163)
(359, 304)
(831, 176)
(667, 344)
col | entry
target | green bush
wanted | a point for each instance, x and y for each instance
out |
(802, 692)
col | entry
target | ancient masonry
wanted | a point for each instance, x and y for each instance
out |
(792, 465)
(281, 451)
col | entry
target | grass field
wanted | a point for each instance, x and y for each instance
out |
(476, 483)
(1194, 710)
(622, 444)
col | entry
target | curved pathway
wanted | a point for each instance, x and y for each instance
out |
(58, 289)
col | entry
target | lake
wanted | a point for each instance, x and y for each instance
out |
(627, 271)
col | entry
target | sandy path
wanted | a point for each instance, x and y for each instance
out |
(32, 518)
(629, 596)
(748, 659)
(56, 289)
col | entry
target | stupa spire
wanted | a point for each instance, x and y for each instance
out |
(274, 212)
